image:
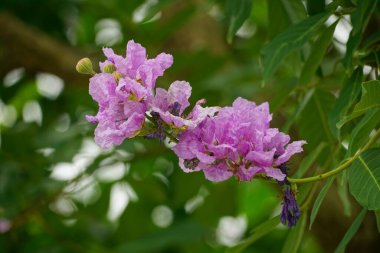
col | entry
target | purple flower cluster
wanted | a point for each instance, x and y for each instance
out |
(223, 142)
(122, 95)
(236, 141)
(125, 97)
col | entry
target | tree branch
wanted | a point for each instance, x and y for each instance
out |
(24, 46)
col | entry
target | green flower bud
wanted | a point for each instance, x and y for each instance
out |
(110, 68)
(84, 66)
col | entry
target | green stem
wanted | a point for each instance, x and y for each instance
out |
(340, 168)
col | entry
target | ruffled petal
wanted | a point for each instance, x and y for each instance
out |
(274, 173)
(180, 91)
(218, 172)
(131, 89)
(136, 55)
(102, 88)
(293, 148)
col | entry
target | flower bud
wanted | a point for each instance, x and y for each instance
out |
(84, 66)
(117, 76)
(109, 68)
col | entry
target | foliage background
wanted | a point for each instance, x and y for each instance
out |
(56, 187)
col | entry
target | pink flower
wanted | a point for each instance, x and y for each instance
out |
(171, 104)
(123, 100)
(137, 66)
(237, 141)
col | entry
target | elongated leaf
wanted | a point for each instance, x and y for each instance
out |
(288, 41)
(370, 99)
(293, 241)
(347, 97)
(298, 111)
(318, 201)
(316, 56)
(313, 125)
(351, 232)
(257, 233)
(343, 193)
(309, 160)
(364, 179)
(295, 10)
(359, 22)
(237, 11)
(362, 130)
(278, 18)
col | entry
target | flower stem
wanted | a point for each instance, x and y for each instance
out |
(340, 168)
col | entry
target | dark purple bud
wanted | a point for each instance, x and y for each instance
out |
(175, 109)
(290, 210)
(191, 163)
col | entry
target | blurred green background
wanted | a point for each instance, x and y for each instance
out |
(60, 193)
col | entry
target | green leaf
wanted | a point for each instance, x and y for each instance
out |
(298, 111)
(258, 232)
(237, 11)
(318, 201)
(154, 8)
(316, 56)
(364, 179)
(343, 193)
(288, 41)
(372, 40)
(313, 125)
(295, 10)
(278, 19)
(315, 6)
(370, 99)
(377, 214)
(347, 96)
(293, 241)
(351, 231)
(362, 131)
(309, 160)
(359, 20)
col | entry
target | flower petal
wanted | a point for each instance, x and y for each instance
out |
(293, 148)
